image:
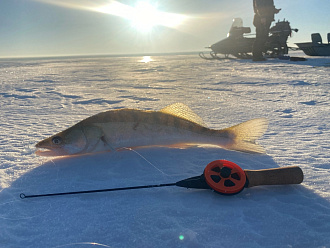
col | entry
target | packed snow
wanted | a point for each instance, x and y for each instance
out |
(40, 97)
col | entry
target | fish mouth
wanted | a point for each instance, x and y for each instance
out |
(49, 151)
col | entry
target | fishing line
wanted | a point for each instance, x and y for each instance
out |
(141, 156)
(52, 161)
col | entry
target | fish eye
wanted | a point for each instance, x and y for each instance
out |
(57, 140)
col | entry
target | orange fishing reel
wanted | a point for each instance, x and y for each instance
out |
(225, 177)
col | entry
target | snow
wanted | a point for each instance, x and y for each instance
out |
(40, 97)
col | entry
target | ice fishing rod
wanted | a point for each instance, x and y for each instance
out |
(221, 176)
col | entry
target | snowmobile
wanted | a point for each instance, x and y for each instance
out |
(240, 46)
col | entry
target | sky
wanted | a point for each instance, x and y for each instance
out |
(32, 28)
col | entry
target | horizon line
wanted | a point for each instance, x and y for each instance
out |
(99, 55)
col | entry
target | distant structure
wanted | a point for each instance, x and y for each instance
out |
(316, 47)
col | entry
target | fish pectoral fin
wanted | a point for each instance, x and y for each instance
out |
(183, 111)
(95, 139)
(106, 143)
(245, 134)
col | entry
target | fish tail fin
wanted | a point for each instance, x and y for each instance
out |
(245, 134)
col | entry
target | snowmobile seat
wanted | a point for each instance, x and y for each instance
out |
(316, 39)
(246, 30)
(239, 31)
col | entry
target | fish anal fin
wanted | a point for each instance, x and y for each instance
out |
(183, 111)
(247, 147)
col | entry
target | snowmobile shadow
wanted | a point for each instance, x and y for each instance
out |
(250, 210)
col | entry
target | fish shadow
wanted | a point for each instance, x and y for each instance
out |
(252, 208)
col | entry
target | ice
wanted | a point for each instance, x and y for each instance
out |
(40, 97)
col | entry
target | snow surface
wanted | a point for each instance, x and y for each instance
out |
(40, 97)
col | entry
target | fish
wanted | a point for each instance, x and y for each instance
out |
(173, 126)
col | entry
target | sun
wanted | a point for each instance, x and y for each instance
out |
(143, 16)
(146, 16)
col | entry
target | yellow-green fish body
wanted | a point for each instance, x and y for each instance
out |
(173, 126)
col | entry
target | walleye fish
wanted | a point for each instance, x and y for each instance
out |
(173, 126)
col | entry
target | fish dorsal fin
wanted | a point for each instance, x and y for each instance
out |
(183, 111)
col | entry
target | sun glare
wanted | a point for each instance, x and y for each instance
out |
(143, 16)
(146, 59)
